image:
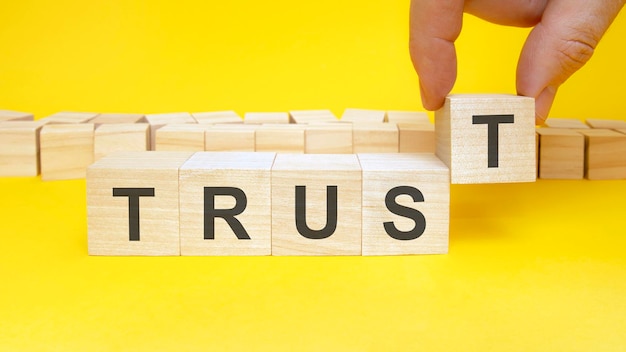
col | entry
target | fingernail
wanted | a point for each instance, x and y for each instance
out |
(543, 103)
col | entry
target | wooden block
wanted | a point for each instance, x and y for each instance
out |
(487, 138)
(132, 204)
(363, 115)
(230, 138)
(280, 138)
(181, 137)
(69, 117)
(375, 137)
(561, 153)
(604, 154)
(225, 204)
(316, 204)
(606, 124)
(416, 138)
(19, 148)
(66, 150)
(406, 204)
(215, 117)
(412, 117)
(9, 115)
(309, 116)
(121, 137)
(266, 117)
(328, 138)
(157, 121)
(115, 118)
(555, 122)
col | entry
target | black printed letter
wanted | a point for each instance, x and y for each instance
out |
(414, 214)
(331, 214)
(133, 195)
(210, 213)
(492, 122)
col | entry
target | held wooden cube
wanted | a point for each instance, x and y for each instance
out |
(280, 138)
(410, 117)
(132, 204)
(416, 138)
(375, 137)
(604, 154)
(181, 137)
(10, 115)
(230, 138)
(406, 204)
(487, 138)
(561, 154)
(363, 115)
(157, 121)
(19, 148)
(328, 138)
(70, 117)
(311, 116)
(225, 204)
(266, 117)
(117, 118)
(215, 117)
(121, 137)
(316, 207)
(66, 150)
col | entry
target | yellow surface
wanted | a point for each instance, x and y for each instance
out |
(537, 266)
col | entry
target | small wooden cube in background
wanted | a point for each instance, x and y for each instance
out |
(557, 122)
(328, 138)
(606, 124)
(604, 154)
(117, 118)
(66, 150)
(311, 116)
(266, 117)
(416, 138)
(230, 138)
(121, 137)
(316, 204)
(10, 115)
(234, 189)
(375, 137)
(19, 148)
(363, 115)
(157, 121)
(69, 117)
(561, 153)
(412, 117)
(132, 204)
(181, 137)
(215, 117)
(406, 204)
(284, 138)
(487, 138)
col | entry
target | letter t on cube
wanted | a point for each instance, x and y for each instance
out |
(487, 138)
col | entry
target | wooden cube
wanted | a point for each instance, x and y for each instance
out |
(225, 204)
(561, 153)
(266, 117)
(10, 115)
(487, 138)
(69, 117)
(363, 115)
(230, 138)
(375, 137)
(181, 137)
(406, 204)
(117, 118)
(416, 138)
(19, 148)
(604, 154)
(328, 138)
(280, 138)
(556, 122)
(215, 117)
(410, 117)
(309, 116)
(157, 121)
(66, 150)
(607, 124)
(121, 137)
(132, 204)
(316, 204)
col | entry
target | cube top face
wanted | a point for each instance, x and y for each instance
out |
(415, 117)
(70, 117)
(600, 132)
(416, 126)
(115, 118)
(266, 117)
(487, 138)
(607, 124)
(122, 128)
(316, 162)
(375, 126)
(183, 127)
(21, 126)
(413, 162)
(213, 117)
(363, 115)
(8, 115)
(556, 122)
(166, 118)
(148, 160)
(230, 161)
(308, 116)
(62, 129)
(558, 132)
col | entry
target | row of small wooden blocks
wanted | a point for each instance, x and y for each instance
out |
(64, 144)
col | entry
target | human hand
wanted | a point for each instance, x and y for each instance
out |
(564, 37)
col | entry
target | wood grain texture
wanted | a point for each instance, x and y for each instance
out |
(604, 154)
(66, 150)
(10, 115)
(266, 117)
(464, 145)
(423, 172)
(284, 138)
(215, 117)
(116, 118)
(108, 216)
(416, 138)
(19, 148)
(375, 137)
(157, 121)
(412, 117)
(558, 122)
(181, 137)
(316, 172)
(69, 117)
(363, 115)
(121, 137)
(311, 116)
(249, 172)
(230, 138)
(561, 154)
(328, 138)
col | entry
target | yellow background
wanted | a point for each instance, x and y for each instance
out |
(538, 266)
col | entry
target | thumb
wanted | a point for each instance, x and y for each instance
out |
(560, 45)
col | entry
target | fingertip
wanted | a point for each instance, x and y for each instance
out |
(543, 103)
(430, 101)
